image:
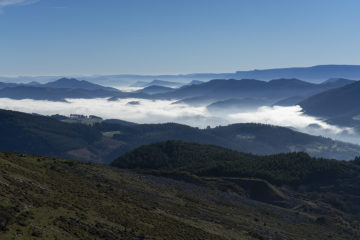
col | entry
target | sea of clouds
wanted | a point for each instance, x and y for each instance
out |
(161, 111)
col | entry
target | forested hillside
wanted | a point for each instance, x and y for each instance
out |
(49, 198)
(103, 141)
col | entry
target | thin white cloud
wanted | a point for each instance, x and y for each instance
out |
(9, 3)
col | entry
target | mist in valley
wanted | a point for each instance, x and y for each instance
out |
(162, 111)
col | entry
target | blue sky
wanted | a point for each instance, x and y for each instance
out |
(64, 37)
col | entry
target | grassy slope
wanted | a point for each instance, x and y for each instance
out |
(330, 185)
(45, 198)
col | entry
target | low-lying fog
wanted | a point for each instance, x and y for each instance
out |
(160, 111)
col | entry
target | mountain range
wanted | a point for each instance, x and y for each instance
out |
(63, 88)
(172, 181)
(273, 90)
(333, 100)
(313, 74)
(316, 74)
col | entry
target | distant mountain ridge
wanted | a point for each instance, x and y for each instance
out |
(55, 94)
(69, 83)
(317, 73)
(219, 89)
(61, 89)
(277, 89)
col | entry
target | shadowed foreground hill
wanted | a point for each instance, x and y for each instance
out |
(47, 198)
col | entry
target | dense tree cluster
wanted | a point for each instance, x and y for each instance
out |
(208, 160)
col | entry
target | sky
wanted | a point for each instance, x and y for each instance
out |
(69, 37)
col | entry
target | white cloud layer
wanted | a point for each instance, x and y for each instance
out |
(291, 116)
(147, 111)
(160, 111)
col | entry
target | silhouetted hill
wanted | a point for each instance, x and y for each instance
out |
(338, 105)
